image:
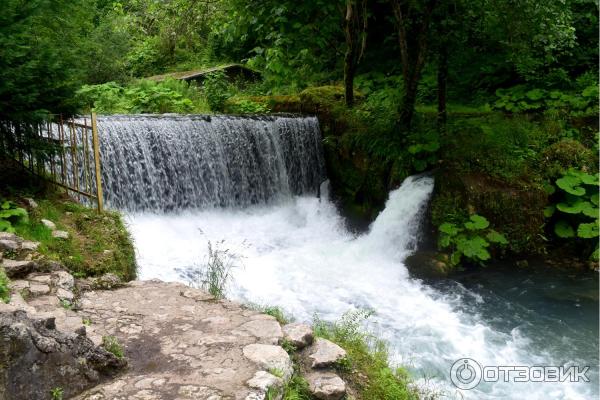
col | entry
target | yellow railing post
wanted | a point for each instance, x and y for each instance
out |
(96, 145)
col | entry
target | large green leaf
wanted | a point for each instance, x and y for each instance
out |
(473, 247)
(572, 208)
(588, 230)
(570, 184)
(549, 211)
(496, 237)
(477, 222)
(6, 226)
(563, 229)
(594, 198)
(449, 228)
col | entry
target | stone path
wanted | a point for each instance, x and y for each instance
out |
(183, 345)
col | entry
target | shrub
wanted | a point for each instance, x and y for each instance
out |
(575, 211)
(11, 214)
(567, 153)
(470, 240)
(216, 90)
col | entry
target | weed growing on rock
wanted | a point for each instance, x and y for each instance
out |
(4, 289)
(215, 274)
(274, 311)
(112, 345)
(57, 393)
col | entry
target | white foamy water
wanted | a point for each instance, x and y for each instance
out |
(299, 256)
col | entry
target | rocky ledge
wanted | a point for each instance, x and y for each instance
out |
(178, 342)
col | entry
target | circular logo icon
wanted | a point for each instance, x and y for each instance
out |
(465, 373)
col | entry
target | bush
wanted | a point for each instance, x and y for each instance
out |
(216, 90)
(10, 215)
(469, 240)
(567, 153)
(144, 96)
(575, 211)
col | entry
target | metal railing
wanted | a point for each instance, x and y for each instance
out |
(65, 152)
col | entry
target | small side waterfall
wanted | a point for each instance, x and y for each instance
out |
(167, 163)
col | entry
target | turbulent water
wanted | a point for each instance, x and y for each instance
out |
(295, 252)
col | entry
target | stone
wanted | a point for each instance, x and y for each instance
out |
(37, 358)
(268, 330)
(298, 334)
(326, 386)
(8, 245)
(63, 279)
(18, 269)
(325, 353)
(48, 224)
(65, 294)
(19, 284)
(40, 278)
(38, 289)
(31, 202)
(263, 381)
(270, 358)
(9, 236)
(28, 245)
(60, 234)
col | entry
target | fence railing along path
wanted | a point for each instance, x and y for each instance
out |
(65, 152)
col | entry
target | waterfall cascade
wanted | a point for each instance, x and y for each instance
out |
(167, 163)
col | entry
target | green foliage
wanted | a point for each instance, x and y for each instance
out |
(471, 240)
(575, 211)
(216, 89)
(57, 393)
(564, 154)
(367, 365)
(84, 253)
(522, 99)
(4, 289)
(10, 215)
(246, 106)
(168, 96)
(112, 345)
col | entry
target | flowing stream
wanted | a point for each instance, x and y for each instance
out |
(252, 186)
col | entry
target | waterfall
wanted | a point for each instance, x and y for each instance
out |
(170, 163)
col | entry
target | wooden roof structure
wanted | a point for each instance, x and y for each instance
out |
(231, 71)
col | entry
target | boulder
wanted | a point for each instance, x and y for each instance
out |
(8, 245)
(60, 234)
(31, 202)
(28, 245)
(325, 353)
(427, 265)
(63, 279)
(262, 381)
(36, 358)
(48, 224)
(18, 269)
(326, 386)
(267, 330)
(299, 335)
(270, 358)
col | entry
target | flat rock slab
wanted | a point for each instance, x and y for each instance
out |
(298, 334)
(326, 386)
(181, 344)
(324, 354)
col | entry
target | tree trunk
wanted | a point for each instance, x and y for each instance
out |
(442, 80)
(349, 59)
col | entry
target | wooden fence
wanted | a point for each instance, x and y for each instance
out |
(65, 152)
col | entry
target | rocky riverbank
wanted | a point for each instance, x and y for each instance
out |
(99, 338)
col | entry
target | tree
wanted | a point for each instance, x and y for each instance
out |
(355, 31)
(40, 67)
(412, 24)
